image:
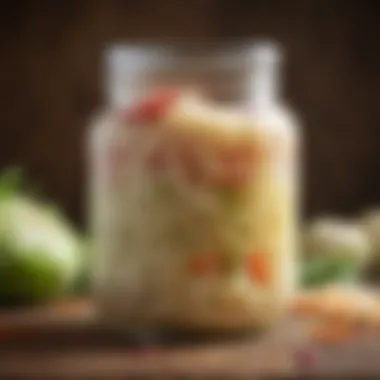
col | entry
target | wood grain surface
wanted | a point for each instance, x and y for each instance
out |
(64, 341)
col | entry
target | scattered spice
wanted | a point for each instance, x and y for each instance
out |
(340, 314)
(306, 358)
(332, 334)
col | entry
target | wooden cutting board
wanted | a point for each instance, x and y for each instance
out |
(64, 340)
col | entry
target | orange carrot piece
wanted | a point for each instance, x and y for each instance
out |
(258, 267)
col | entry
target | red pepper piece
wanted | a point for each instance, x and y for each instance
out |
(153, 108)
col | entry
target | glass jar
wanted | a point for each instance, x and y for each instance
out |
(194, 189)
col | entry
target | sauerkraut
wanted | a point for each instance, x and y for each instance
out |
(195, 213)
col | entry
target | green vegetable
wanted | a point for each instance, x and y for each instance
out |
(336, 238)
(82, 282)
(318, 271)
(39, 250)
(10, 183)
(336, 250)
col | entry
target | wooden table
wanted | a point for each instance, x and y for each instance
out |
(63, 341)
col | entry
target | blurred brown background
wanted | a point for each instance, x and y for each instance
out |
(51, 82)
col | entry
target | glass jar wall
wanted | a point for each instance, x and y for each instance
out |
(194, 189)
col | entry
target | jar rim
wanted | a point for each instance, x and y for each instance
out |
(126, 63)
(207, 48)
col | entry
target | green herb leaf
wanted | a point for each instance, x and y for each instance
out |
(319, 271)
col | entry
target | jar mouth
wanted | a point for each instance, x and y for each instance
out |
(203, 51)
(182, 46)
(224, 70)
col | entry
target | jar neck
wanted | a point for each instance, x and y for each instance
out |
(246, 76)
